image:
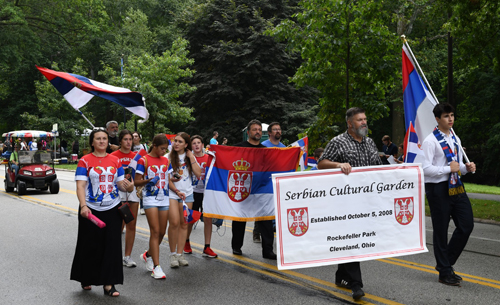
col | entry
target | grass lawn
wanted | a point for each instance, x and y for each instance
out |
(483, 209)
(482, 189)
(66, 166)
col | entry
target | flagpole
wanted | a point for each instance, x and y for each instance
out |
(405, 42)
(86, 119)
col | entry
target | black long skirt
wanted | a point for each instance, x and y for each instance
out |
(98, 254)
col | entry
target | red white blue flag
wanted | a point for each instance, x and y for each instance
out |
(303, 144)
(418, 106)
(238, 182)
(133, 164)
(79, 90)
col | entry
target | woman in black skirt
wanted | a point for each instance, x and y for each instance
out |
(98, 255)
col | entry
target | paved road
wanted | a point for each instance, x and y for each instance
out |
(38, 235)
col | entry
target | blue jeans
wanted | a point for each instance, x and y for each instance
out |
(15, 168)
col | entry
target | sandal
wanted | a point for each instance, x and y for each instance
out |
(111, 292)
(86, 287)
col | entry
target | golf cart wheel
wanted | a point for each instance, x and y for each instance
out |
(8, 188)
(54, 186)
(21, 188)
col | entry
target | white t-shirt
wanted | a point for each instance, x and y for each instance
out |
(185, 185)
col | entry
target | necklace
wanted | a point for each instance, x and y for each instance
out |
(100, 157)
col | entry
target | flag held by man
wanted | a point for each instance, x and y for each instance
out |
(418, 105)
(238, 182)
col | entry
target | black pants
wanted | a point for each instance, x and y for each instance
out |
(350, 272)
(444, 206)
(265, 229)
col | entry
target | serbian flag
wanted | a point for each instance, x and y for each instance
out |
(79, 90)
(303, 144)
(311, 162)
(418, 106)
(133, 163)
(238, 182)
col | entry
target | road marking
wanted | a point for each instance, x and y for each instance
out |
(273, 270)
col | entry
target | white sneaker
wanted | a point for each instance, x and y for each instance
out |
(128, 262)
(174, 263)
(148, 261)
(158, 273)
(143, 212)
(182, 261)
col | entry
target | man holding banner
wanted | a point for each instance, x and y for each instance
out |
(351, 149)
(445, 192)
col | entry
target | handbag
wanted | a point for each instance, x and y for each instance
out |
(126, 213)
(138, 189)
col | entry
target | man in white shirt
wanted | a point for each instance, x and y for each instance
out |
(445, 193)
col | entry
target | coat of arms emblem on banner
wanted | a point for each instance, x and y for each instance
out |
(298, 221)
(239, 181)
(403, 210)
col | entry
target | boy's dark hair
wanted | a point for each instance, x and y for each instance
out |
(317, 152)
(439, 109)
(197, 137)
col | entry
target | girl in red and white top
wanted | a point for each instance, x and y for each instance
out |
(152, 174)
(183, 166)
(203, 160)
(126, 155)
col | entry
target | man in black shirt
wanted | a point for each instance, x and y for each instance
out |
(254, 131)
(389, 149)
(347, 150)
(112, 128)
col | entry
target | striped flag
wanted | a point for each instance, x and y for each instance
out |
(79, 90)
(133, 163)
(418, 106)
(303, 144)
(238, 182)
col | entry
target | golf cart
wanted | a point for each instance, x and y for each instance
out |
(36, 167)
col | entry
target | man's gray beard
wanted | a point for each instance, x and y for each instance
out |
(113, 134)
(362, 132)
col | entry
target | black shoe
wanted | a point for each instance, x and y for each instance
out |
(449, 280)
(458, 277)
(237, 252)
(343, 284)
(357, 292)
(270, 256)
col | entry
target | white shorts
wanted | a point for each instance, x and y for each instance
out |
(132, 196)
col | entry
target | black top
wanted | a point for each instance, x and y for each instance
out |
(112, 140)
(248, 144)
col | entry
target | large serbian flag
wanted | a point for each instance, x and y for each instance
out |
(418, 106)
(238, 182)
(79, 90)
(304, 146)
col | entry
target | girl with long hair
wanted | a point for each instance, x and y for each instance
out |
(152, 174)
(125, 155)
(183, 166)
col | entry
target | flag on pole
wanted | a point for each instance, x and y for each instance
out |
(238, 182)
(303, 144)
(418, 105)
(133, 163)
(79, 90)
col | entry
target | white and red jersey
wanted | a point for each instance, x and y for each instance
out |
(156, 195)
(101, 174)
(199, 183)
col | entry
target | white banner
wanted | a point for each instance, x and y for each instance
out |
(325, 217)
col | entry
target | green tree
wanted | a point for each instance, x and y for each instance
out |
(242, 73)
(159, 79)
(349, 56)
